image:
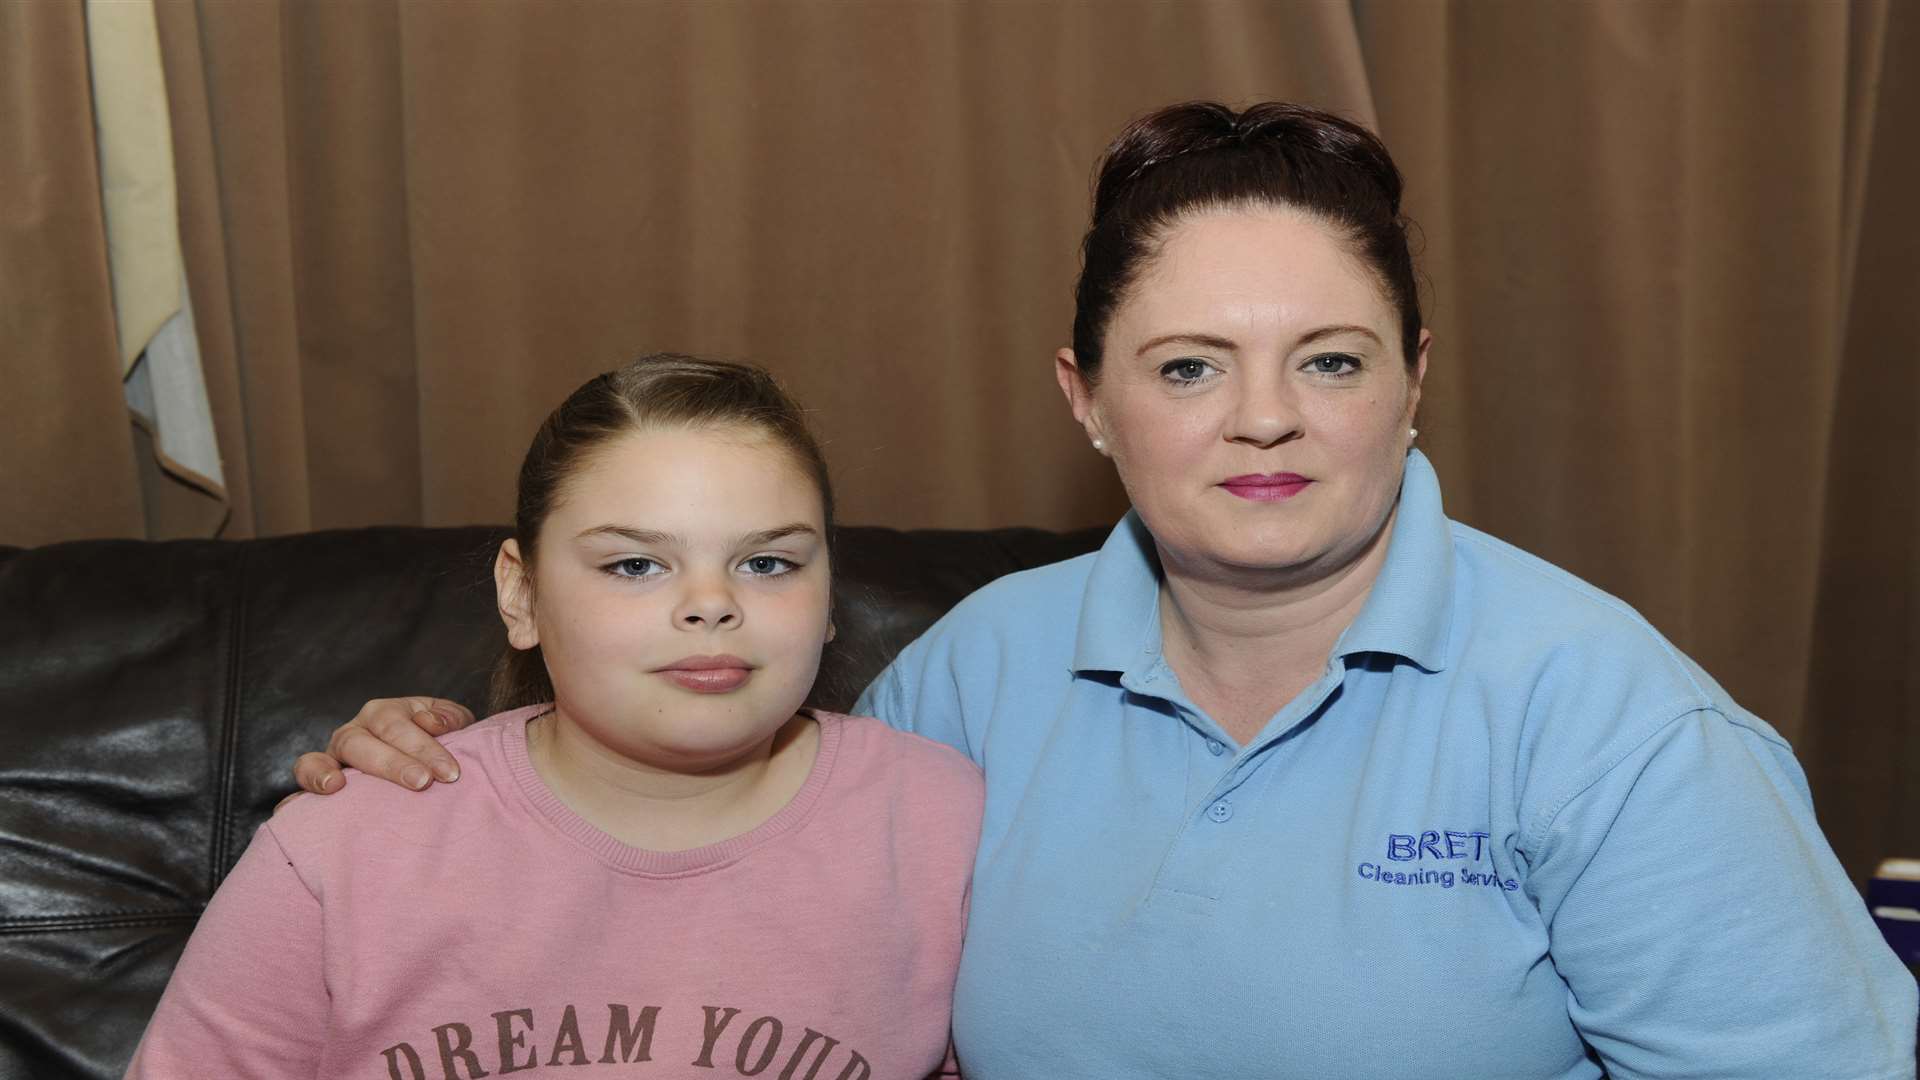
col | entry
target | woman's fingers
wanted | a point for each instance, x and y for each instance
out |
(315, 772)
(389, 739)
(410, 726)
(445, 715)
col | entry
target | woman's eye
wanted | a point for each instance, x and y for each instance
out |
(768, 565)
(1185, 371)
(634, 568)
(1332, 364)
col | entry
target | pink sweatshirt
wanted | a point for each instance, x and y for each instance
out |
(482, 929)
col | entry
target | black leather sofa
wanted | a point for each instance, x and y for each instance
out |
(156, 694)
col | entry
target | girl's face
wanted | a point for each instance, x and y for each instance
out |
(1254, 397)
(680, 595)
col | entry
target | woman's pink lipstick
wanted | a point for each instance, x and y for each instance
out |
(707, 674)
(1266, 487)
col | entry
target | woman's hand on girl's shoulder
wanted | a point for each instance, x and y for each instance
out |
(394, 739)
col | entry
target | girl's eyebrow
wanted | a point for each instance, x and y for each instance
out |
(638, 536)
(779, 532)
(651, 538)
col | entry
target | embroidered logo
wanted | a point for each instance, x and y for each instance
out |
(1433, 857)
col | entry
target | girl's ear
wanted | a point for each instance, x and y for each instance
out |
(513, 592)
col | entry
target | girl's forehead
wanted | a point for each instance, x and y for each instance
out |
(712, 475)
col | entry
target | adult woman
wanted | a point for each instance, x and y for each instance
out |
(1297, 778)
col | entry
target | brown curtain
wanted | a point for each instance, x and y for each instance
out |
(1672, 247)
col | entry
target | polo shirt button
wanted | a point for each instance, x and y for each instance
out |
(1220, 811)
(1216, 747)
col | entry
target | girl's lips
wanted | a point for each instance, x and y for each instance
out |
(708, 674)
(712, 680)
(1266, 487)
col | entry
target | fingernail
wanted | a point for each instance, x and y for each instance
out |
(414, 777)
(327, 782)
(446, 772)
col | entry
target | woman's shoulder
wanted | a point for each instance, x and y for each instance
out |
(1526, 606)
(1015, 598)
(1588, 670)
(1025, 617)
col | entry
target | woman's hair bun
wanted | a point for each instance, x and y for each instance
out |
(1204, 155)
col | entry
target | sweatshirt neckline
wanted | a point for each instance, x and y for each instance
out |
(649, 863)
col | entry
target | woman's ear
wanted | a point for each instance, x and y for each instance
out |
(513, 592)
(1079, 392)
(1418, 375)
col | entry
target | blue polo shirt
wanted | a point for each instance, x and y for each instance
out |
(1509, 832)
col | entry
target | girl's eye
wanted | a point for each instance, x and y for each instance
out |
(1333, 364)
(769, 565)
(634, 568)
(1183, 371)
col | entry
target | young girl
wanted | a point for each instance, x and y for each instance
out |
(657, 865)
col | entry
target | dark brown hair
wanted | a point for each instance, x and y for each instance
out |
(657, 390)
(1203, 155)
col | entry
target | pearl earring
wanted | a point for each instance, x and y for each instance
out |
(1413, 433)
(1099, 444)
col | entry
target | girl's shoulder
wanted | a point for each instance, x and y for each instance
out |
(369, 810)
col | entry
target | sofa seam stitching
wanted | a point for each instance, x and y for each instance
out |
(229, 735)
(127, 913)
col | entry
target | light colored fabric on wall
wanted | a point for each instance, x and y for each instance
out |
(1670, 249)
(167, 391)
(159, 352)
(136, 169)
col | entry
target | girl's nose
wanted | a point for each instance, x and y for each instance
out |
(707, 606)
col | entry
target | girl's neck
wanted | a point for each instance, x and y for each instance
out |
(1243, 645)
(659, 809)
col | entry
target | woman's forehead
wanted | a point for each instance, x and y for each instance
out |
(1256, 266)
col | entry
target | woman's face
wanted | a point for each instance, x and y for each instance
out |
(1254, 397)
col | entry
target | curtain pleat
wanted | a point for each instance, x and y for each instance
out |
(69, 467)
(1861, 738)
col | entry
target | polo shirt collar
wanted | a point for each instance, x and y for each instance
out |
(1409, 612)
(1120, 614)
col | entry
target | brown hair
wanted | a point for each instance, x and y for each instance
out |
(660, 389)
(1203, 155)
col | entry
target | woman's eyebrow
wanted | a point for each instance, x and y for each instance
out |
(1336, 330)
(1211, 341)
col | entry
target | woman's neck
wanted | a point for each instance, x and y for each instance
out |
(1243, 644)
(659, 809)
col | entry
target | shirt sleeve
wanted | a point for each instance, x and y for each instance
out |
(1704, 927)
(248, 997)
(919, 692)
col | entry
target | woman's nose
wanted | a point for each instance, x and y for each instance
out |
(1265, 415)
